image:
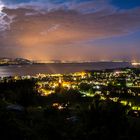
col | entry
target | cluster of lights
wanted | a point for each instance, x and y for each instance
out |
(47, 83)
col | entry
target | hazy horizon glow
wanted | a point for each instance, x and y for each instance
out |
(70, 29)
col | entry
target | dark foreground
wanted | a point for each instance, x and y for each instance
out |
(64, 115)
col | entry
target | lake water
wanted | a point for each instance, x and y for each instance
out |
(58, 68)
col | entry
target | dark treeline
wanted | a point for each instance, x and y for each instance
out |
(25, 115)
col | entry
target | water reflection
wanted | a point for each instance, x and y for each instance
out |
(56, 68)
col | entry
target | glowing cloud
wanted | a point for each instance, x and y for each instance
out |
(58, 29)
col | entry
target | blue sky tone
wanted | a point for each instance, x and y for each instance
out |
(70, 29)
(126, 4)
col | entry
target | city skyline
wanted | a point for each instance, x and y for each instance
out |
(70, 29)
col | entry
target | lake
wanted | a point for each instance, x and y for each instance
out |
(62, 68)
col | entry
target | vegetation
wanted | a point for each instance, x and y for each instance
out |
(64, 115)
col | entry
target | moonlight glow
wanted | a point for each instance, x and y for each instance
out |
(1, 7)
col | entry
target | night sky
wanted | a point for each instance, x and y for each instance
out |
(70, 29)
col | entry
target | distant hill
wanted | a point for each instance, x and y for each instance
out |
(14, 61)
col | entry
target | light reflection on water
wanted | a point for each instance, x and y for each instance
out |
(3, 72)
(56, 68)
